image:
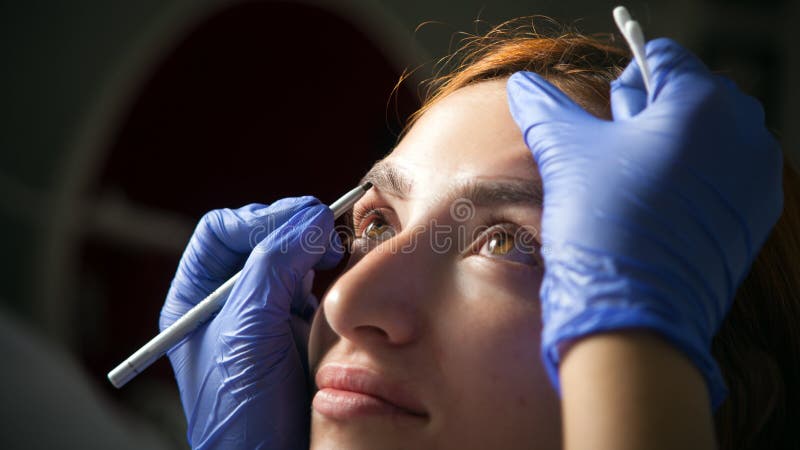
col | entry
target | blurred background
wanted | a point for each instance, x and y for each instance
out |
(123, 122)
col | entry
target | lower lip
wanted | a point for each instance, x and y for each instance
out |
(338, 404)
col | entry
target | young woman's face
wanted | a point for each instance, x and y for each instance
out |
(430, 339)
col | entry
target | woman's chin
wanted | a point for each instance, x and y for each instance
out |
(366, 432)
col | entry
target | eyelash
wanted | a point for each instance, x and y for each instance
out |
(361, 213)
(511, 230)
(498, 223)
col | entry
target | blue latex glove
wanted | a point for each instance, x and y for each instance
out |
(651, 220)
(241, 378)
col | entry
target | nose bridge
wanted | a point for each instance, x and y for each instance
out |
(383, 294)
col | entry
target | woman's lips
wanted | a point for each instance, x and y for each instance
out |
(339, 404)
(347, 392)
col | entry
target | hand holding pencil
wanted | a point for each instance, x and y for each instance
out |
(244, 363)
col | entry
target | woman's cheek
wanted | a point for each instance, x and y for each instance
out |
(497, 307)
(493, 365)
(502, 284)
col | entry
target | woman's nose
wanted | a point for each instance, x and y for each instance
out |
(383, 297)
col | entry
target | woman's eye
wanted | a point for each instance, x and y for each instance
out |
(378, 230)
(500, 244)
(370, 228)
(512, 245)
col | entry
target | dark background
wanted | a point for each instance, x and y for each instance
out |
(121, 123)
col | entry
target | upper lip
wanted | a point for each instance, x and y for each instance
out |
(366, 381)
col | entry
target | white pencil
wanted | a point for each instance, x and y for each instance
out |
(201, 312)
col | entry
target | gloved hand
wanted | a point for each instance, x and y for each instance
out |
(651, 220)
(242, 381)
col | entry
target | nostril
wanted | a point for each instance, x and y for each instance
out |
(370, 330)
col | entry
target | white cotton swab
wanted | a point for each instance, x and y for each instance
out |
(633, 34)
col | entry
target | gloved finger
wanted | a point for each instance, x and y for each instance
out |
(677, 74)
(312, 303)
(274, 273)
(628, 93)
(542, 111)
(219, 246)
(748, 107)
(681, 79)
(729, 83)
(304, 303)
(224, 237)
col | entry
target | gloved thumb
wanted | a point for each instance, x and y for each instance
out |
(542, 111)
(628, 93)
(305, 302)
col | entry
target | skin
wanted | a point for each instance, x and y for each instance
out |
(460, 331)
(631, 390)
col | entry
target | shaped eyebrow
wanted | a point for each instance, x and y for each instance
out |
(388, 179)
(482, 192)
(502, 191)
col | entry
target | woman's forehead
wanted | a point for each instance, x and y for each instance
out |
(468, 134)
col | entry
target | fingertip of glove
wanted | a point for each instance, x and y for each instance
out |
(535, 100)
(520, 83)
(309, 200)
(294, 203)
(321, 215)
(662, 45)
(253, 207)
(666, 58)
(516, 77)
(306, 240)
(727, 82)
(524, 76)
(315, 220)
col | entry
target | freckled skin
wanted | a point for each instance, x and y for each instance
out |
(461, 333)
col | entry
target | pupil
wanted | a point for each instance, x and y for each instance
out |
(375, 228)
(499, 244)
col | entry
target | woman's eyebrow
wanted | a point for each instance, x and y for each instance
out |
(388, 179)
(495, 192)
(481, 192)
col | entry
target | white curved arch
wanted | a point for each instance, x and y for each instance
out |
(69, 215)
